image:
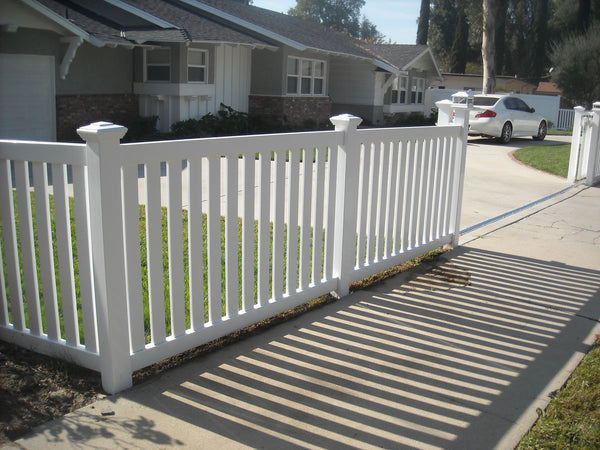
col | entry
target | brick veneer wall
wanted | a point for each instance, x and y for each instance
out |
(295, 110)
(74, 111)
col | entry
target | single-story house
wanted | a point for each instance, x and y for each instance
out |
(66, 63)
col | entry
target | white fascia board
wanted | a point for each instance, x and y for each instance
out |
(245, 24)
(386, 66)
(142, 14)
(419, 56)
(65, 23)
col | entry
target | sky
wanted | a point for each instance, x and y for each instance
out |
(396, 19)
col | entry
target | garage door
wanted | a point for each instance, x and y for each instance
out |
(27, 103)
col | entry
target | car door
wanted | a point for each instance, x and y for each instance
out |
(528, 120)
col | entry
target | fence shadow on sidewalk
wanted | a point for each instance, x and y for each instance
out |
(452, 357)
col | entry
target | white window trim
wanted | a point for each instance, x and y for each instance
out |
(418, 87)
(146, 80)
(205, 66)
(299, 77)
(398, 87)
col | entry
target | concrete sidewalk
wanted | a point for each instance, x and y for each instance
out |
(457, 355)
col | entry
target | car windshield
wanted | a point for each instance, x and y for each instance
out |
(485, 101)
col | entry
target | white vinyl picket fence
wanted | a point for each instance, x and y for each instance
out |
(333, 207)
(584, 161)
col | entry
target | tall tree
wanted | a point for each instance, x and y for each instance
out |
(460, 46)
(442, 24)
(488, 46)
(540, 39)
(423, 28)
(342, 15)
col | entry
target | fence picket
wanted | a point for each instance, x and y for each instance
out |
(195, 244)
(317, 221)
(154, 254)
(264, 240)
(330, 214)
(363, 205)
(390, 206)
(305, 218)
(231, 237)
(278, 224)
(46, 250)
(9, 235)
(213, 232)
(400, 177)
(248, 261)
(382, 201)
(131, 218)
(86, 289)
(65, 255)
(28, 247)
(291, 214)
(175, 247)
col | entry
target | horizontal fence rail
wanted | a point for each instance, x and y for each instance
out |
(116, 256)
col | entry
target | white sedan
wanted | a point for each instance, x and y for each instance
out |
(505, 117)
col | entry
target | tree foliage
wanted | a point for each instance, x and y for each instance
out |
(423, 28)
(576, 62)
(526, 31)
(341, 15)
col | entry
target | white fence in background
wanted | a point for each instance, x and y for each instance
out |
(345, 204)
(566, 118)
(584, 161)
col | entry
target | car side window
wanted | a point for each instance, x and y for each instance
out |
(521, 105)
(509, 103)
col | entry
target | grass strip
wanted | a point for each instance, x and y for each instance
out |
(572, 419)
(551, 159)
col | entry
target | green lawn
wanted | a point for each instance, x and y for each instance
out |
(572, 420)
(551, 159)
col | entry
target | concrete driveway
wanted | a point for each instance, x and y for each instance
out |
(495, 183)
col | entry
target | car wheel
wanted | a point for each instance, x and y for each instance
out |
(506, 135)
(542, 131)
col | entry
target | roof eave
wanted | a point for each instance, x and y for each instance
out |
(64, 23)
(245, 24)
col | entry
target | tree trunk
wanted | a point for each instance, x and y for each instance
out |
(488, 46)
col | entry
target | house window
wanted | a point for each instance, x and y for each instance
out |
(399, 90)
(305, 76)
(417, 90)
(197, 70)
(158, 64)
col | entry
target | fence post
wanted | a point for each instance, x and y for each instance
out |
(462, 105)
(593, 149)
(346, 202)
(575, 144)
(444, 112)
(106, 230)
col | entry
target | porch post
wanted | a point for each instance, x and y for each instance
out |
(461, 106)
(346, 201)
(108, 257)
